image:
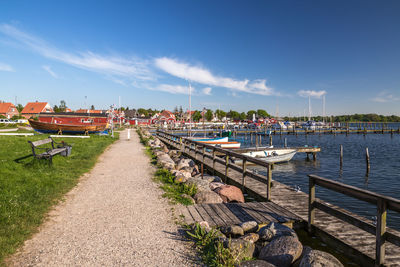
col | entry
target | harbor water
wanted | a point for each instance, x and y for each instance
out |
(383, 177)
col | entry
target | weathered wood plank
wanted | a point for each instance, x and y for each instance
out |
(214, 215)
(205, 215)
(195, 214)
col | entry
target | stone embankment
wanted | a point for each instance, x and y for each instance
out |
(270, 244)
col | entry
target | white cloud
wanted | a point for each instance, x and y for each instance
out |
(384, 97)
(126, 67)
(173, 89)
(50, 71)
(5, 67)
(207, 91)
(204, 76)
(311, 93)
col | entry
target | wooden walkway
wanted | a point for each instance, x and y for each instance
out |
(353, 241)
(226, 214)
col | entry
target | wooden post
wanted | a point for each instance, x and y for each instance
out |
(380, 233)
(270, 140)
(341, 156)
(244, 166)
(260, 140)
(214, 161)
(269, 182)
(202, 163)
(226, 167)
(256, 137)
(311, 200)
(314, 156)
(285, 142)
(367, 159)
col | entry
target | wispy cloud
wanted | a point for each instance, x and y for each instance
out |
(173, 89)
(311, 93)
(5, 67)
(207, 91)
(204, 76)
(50, 71)
(127, 67)
(384, 97)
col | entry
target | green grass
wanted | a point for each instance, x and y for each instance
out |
(174, 191)
(29, 187)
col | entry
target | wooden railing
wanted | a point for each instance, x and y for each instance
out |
(383, 203)
(210, 152)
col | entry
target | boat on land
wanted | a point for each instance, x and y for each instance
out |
(46, 127)
(72, 123)
(273, 155)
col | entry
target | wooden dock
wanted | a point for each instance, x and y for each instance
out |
(226, 214)
(358, 243)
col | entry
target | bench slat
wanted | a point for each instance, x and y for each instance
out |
(41, 142)
(56, 151)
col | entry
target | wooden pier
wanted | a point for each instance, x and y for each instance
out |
(358, 238)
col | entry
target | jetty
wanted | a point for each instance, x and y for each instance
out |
(367, 242)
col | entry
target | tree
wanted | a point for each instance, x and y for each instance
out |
(56, 109)
(209, 115)
(20, 108)
(196, 116)
(92, 107)
(220, 114)
(262, 113)
(233, 115)
(243, 116)
(142, 111)
(63, 106)
(250, 114)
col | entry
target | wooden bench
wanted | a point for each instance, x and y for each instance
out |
(49, 153)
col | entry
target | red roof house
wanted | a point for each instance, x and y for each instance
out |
(8, 110)
(34, 108)
(166, 116)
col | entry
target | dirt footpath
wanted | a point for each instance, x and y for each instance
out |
(114, 216)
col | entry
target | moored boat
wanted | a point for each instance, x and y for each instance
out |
(271, 155)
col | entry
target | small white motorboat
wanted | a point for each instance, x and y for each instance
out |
(271, 155)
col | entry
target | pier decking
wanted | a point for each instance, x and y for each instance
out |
(357, 240)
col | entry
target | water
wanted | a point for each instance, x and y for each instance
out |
(383, 178)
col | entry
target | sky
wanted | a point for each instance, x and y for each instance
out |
(238, 55)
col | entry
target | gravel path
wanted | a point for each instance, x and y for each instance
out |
(114, 216)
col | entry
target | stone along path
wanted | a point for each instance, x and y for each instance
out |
(114, 216)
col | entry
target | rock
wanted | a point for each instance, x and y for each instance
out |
(242, 248)
(217, 179)
(282, 251)
(208, 178)
(249, 227)
(256, 263)
(185, 163)
(158, 153)
(215, 185)
(201, 185)
(251, 237)
(181, 177)
(272, 230)
(195, 170)
(317, 258)
(187, 169)
(233, 230)
(157, 142)
(173, 153)
(230, 193)
(207, 197)
(165, 149)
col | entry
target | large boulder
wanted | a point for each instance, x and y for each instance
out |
(215, 185)
(207, 197)
(201, 185)
(272, 230)
(282, 251)
(185, 163)
(317, 258)
(230, 193)
(249, 226)
(240, 247)
(233, 230)
(181, 177)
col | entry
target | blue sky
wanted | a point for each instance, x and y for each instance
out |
(238, 55)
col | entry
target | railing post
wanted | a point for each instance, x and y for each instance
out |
(380, 232)
(269, 180)
(226, 167)
(244, 166)
(311, 200)
(213, 161)
(202, 163)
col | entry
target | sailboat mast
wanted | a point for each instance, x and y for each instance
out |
(190, 109)
(323, 108)
(309, 108)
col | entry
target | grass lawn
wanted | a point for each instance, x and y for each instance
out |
(29, 187)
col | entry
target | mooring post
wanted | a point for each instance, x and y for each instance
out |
(269, 182)
(311, 200)
(285, 142)
(341, 156)
(380, 232)
(270, 140)
(367, 159)
(244, 166)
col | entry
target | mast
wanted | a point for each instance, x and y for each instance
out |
(190, 108)
(323, 108)
(309, 108)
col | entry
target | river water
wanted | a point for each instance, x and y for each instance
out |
(383, 177)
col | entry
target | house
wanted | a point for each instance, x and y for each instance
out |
(34, 108)
(166, 116)
(131, 113)
(90, 111)
(8, 110)
(186, 116)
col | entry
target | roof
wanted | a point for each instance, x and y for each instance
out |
(34, 107)
(4, 107)
(89, 111)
